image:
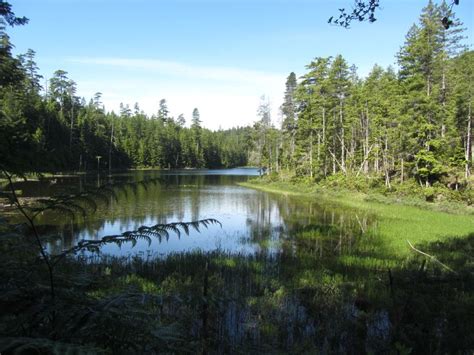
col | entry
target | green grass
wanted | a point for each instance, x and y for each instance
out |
(396, 223)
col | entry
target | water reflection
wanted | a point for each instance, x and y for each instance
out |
(252, 221)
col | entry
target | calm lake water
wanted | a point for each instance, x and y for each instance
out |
(252, 221)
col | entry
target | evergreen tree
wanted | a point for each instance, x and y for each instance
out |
(163, 111)
(264, 146)
(288, 110)
(198, 157)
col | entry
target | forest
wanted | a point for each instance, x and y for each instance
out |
(410, 124)
(393, 126)
(50, 129)
(116, 239)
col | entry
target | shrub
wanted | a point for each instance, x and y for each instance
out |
(429, 194)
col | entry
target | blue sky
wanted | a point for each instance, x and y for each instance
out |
(217, 55)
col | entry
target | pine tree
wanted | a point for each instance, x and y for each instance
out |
(461, 105)
(198, 159)
(339, 86)
(288, 110)
(423, 62)
(262, 128)
(163, 111)
(313, 102)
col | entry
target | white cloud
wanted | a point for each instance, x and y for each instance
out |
(218, 73)
(226, 97)
(217, 110)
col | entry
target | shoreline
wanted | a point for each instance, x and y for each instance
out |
(72, 174)
(358, 199)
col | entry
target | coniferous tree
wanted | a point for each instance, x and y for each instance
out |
(288, 110)
(390, 126)
(196, 131)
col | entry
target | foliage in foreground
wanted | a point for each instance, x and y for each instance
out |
(262, 303)
(40, 296)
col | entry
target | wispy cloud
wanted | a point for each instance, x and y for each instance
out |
(225, 96)
(183, 70)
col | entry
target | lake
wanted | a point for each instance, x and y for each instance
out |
(252, 221)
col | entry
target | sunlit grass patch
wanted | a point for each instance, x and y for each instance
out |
(394, 223)
(370, 263)
(141, 283)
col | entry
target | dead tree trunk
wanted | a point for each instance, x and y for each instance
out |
(469, 143)
(343, 145)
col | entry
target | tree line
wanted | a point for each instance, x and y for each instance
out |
(51, 128)
(412, 124)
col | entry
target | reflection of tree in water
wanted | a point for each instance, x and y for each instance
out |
(131, 207)
(171, 198)
(300, 224)
(265, 226)
(273, 222)
(329, 232)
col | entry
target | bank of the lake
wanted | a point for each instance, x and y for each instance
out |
(399, 221)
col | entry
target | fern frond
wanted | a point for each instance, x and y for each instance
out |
(142, 233)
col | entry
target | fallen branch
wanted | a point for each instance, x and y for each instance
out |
(431, 257)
